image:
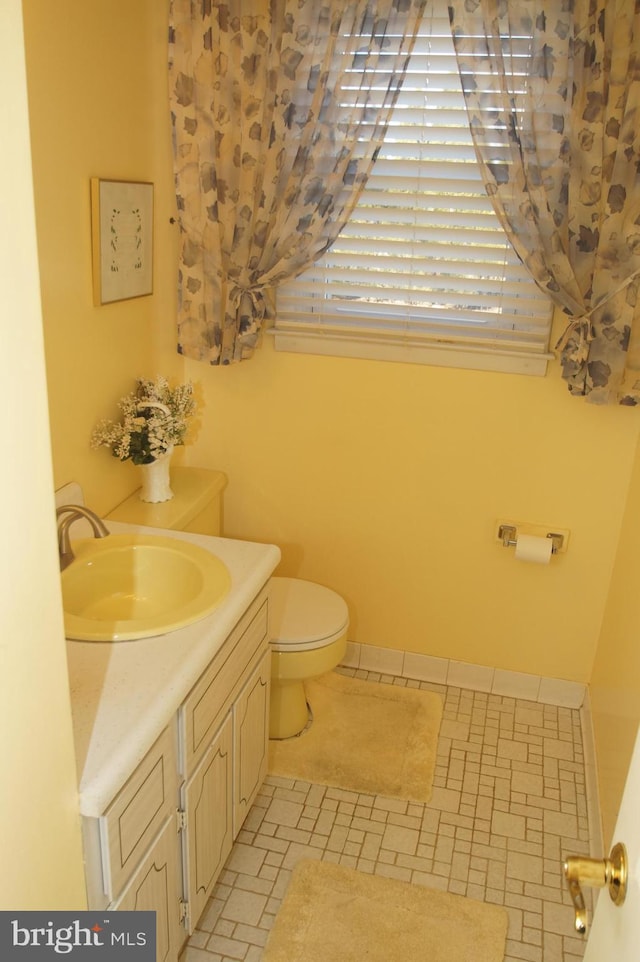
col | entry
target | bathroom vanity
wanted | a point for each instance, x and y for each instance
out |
(171, 741)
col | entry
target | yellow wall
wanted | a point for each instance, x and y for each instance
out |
(97, 107)
(40, 849)
(382, 480)
(385, 482)
(98, 102)
(615, 684)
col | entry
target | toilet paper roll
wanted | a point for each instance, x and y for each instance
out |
(530, 547)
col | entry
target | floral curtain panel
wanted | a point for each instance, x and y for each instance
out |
(553, 93)
(276, 124)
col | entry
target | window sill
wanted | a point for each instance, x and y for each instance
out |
(475, 358)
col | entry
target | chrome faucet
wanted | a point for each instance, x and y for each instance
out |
(73, 513)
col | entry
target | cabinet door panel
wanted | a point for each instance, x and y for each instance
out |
(210, 699)
(207, 798)
(154, 887)
(251, 737)
(139, 809)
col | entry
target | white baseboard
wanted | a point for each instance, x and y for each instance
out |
(445, 671)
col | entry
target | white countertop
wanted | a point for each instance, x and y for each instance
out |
(123, 694)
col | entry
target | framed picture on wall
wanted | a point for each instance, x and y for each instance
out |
(122, 239)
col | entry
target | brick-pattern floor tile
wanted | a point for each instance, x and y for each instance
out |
(508, 805)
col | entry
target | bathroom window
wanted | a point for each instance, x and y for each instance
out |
(423, 271)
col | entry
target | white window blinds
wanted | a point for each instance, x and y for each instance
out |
(423, 270)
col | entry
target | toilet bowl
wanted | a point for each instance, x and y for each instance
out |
(308, 626)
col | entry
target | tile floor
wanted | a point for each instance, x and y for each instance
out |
(508, 803)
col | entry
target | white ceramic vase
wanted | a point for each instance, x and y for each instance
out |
(156, 481)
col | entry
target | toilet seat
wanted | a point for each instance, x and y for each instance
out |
(304, 615)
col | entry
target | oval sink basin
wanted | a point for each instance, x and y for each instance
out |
(129, 586)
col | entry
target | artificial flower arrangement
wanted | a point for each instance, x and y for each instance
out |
(154, 421)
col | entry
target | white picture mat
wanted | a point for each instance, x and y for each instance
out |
(122, 229)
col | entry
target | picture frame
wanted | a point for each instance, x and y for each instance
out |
(122, 239)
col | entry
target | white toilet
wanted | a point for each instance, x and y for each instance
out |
(308, 626)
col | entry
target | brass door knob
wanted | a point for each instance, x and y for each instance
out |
(598, 872)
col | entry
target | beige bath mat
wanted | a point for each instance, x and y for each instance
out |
(334, 914)
(366, 737)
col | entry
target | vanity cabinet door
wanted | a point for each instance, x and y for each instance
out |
(251, 740)
(211, 698)
(133, 819)
(154, 887)
(208, 806)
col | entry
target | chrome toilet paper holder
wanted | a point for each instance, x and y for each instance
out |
(508, 534)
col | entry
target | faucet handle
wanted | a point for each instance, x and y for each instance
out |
(597, 872)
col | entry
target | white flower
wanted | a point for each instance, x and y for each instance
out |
(145, 433)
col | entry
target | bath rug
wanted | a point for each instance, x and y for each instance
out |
(331, 913)
(365, 737)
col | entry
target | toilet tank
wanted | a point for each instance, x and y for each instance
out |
(196, 505)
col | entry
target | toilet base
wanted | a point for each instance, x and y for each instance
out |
(288, 710)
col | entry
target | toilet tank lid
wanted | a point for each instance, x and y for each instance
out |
(302, 611)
